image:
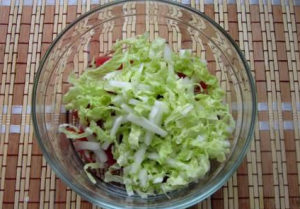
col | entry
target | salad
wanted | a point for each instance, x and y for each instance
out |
(150, 118)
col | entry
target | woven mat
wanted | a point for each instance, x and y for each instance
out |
(268, 34)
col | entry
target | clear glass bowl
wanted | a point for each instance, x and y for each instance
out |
(92, 35)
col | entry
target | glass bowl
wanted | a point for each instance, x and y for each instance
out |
(92, 35)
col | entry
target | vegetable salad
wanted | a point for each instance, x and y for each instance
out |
(151, 118)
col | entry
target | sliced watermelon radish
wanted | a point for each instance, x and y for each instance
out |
(181, 75)
(203, 85)
(101, 60)
(110, 159)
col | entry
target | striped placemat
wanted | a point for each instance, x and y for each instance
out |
(267, 32)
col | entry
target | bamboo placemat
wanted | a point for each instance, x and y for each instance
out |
(267, 32)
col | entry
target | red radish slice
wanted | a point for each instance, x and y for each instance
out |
(116, 172)
(82, 139)
(75, 114)
(121, 67)
(100, 123)
(70, 129)
(87, 157)
(181, 75)
(203, 85)
(81, 152)
(81, 130)
(110, 158)
(101, 60)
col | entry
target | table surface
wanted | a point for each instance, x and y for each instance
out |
(268, 33)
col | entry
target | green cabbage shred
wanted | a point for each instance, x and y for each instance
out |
(163, 134)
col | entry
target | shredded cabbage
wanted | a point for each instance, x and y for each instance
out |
(163, 133)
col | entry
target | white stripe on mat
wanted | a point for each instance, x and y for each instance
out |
(265, 125)
(17, 109)
(16, 129)
(263, 106)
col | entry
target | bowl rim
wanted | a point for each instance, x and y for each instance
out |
(193, 199)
